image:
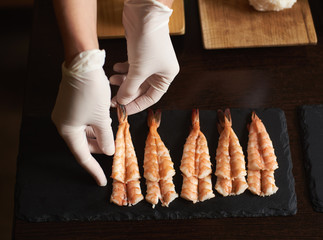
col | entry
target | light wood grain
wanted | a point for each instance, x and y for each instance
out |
(110, 19)
(234, 24)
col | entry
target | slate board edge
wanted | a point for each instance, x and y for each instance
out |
(316, 204)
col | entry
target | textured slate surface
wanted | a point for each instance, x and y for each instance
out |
(51, 186)
(311, 119)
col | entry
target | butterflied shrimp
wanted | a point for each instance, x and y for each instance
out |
(125, 171)
(205, 188)
(197, 184)
(134, 192)
(119, 194)
(153, 192)
(158, 164)
(188, 159)
(230, 159)
(261, 182)
(190, 188)
(118, 166)
(265, 145)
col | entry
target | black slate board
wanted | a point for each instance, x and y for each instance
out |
(311, 120)
(51, 186)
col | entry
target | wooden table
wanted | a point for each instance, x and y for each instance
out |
(284, 77)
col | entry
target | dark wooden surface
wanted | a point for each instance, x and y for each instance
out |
(284, 77)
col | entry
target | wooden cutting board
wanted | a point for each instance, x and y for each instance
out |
(110, 19)
(236, 24)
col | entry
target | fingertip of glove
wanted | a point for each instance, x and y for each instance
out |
(108, 150)
(102, 182)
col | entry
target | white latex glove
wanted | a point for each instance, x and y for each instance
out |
(152, 64)
(81, 113)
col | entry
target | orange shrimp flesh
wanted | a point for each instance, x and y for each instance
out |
(223, 168)
(266, 146)
(168, 191)
(205, 188)
(254, 181)
(223, 186)
(119, 158)
(151, 169)
(230, 160)
(188, 159)
(132, 169)
(197, 184)
(268, 185)
(204, 162)
(158, 164)
(237, 158)
(125, 170)
(153, 192)
(261, 182)
(119, 194)
(134, 192)
(190, 188)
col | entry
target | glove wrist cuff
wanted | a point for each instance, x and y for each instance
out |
(85, 62)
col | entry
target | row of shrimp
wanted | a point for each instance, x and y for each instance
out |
(230, 161)
(195, 165)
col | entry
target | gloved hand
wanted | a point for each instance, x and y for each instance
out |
(81, 113)
(152, 64)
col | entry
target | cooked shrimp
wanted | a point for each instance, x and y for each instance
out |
(125, 171)
(188, 159)
(230, 160)
(261, 181)
(158, 165)
(197, 184)
(205, 188)
(119, 158)
(119, 194)
(223, 168)
(190, 188)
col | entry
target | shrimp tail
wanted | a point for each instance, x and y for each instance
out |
(195, 118)
(154, 118)
(122, 115)
(224, 119)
